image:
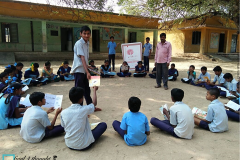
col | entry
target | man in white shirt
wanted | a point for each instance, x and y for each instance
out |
(80, 68)
(35, 124)
(74, 119)
(180, 121)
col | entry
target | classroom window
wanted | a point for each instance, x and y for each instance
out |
(196, 37)
(54, 33)
(9, 32)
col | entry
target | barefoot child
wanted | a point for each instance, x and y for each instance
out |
(134, 127)
(106, 70)
(74, 119)
(35, 124)
(124, 70)
(139, 70)
(216, 119)
(203, 78)
(191, 75)
(180, 121)
(10, 113)
(172, 73)
(64, 72)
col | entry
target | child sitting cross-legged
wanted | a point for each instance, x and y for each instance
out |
(172, 73)
(74, 119)
(106, 70)
(154, 72)
(48, 73)
(18, 72)
(64, 72)
(124, 70)
(180, 121)
(139, 70)
(191, 75)
(203, 78)
(92, 68)
(35, 124)
(134, 127)
(216, 119)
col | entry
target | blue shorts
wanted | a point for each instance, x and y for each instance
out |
(204, 125)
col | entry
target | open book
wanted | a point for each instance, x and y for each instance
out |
(25, 101)
(200, 113)
(25, 88)
(233, 105)
(26, 81)
(161, 110)
(228, 94)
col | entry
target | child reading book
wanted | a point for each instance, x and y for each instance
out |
(106, 70)
(172, 73)
(191, 75)
(203, 78)
(10, 72)
(134, 127)
(10, 113)
(18, 72)
(64, 72)
(3, 78)
(179, 121)
(33, 73)
(232, 84)
(93, 68)
(74, 119)
(154, 72)
(124, 70)
(216, 119)
(139, 70)
(48, 73)
(35, 124)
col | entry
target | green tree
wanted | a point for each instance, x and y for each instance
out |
(177, 11)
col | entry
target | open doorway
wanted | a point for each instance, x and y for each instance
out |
(221, 43)
(66, 39)
(234, 43)
(132, 37)
(96, 40)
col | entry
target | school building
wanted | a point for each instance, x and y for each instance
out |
(42, 32)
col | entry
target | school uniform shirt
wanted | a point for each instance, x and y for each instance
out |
(34, 123)
(220, 80)
(147, 47)
(232, 86)
(171, 72)
(136, 124)
(105, 69)
(163, 52)
(216, 114)
(181, 116)
(190, 76)
(81, 48)
(75, 122)
(111, 46)
(139, 69)
(205, 77)
(31, 74)
(18, 76)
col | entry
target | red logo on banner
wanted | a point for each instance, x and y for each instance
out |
(130, 52)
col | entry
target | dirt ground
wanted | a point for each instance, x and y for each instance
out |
(113, 96)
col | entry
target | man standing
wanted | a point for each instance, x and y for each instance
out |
(147, 54)
(163, 58)
(79, 67)
(112, 51)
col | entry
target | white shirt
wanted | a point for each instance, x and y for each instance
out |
(232, 86)
(216, 114)
(205, 77)
(220, 80)
(34, 123)
(181, 116)
(80, 48)
(74, 119)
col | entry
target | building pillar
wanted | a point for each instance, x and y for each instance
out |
(155, 40)
(44, 37)
(203, 40)
(90, 40)
(227, 37)
(126, 35)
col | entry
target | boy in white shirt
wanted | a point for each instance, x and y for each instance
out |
(203, 78)
(216, 119)
(232, 83)
(180, 121)
(74, 119)
(35, 124)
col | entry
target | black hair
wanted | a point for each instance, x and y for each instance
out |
(85, 28)
(75, 94)
(111, 37)
(36, 65)
(134, 104)
(90, 61)
(177, 94)
(139, 62)
(217, 68)
(203, 68)
(19, 64)
(214, 92)
(163, 34)
(8, 70)
(192, 66)
(173, 64)
(228, 75)
(106, 60)
(35, 97)
(11, 67)
(47, 63)
(12, 87)
(238, 84)
(3, 74)
(65, 62)
(148, 38)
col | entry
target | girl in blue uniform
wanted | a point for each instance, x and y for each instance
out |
(106, 70)
(18, 72)
(64, 72)
(33, 73)
(139, 70)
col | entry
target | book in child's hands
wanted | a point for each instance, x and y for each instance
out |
(25, 88)
(185, 79)
(94, 81)
(25, 101)
(161, 110)
(200, 113)
(26, 81)
(233, 105)
(228, 94)
(53, 101)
